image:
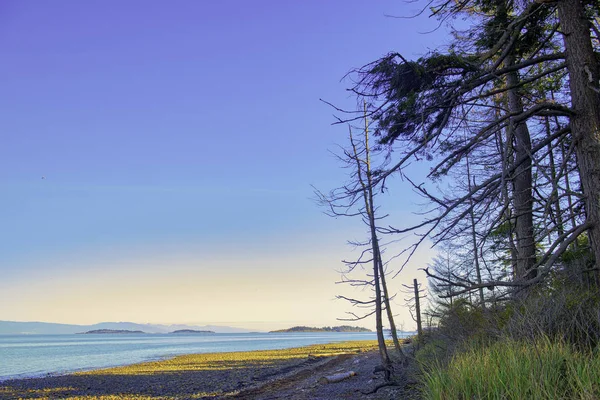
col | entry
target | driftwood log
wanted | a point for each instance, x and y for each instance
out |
(337, 377)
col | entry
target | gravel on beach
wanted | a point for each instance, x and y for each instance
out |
(273, 374)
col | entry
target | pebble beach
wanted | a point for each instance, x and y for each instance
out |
(250, 375)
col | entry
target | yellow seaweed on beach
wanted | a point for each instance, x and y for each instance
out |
(196, 375)
(235, 360)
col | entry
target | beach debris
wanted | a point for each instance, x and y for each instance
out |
(337, 377)
(378, 369)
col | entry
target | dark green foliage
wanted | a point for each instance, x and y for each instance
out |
(562, 311)
(461, 321)
(419, 93)
(578, 251)
(567, 313)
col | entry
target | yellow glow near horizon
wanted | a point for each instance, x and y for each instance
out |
(262, 293)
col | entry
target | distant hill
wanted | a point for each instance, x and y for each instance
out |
(343, 328)
(47, 328)
(110, 331)
(190, 331)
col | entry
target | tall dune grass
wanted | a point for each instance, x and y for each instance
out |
(516, 370)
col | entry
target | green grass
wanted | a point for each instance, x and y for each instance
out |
(516, 370)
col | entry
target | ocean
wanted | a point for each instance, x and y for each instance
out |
(23, 356)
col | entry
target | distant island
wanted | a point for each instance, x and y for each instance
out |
(343, 328)
(108, 331)
(49, 328)
(188, 331)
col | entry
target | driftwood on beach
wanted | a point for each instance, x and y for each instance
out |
(337, 377)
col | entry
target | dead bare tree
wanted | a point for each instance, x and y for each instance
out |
(358, 199)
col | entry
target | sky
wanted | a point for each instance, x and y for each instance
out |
(157, 158)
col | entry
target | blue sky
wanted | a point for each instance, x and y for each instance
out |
(150, 146)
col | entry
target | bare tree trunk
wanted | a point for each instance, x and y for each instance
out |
(449, 269)
(367, 192)
(418, 310)
(375, 245)
(388, 308)
(572, 219)
(584, 78)
(474, 238)
(385, 359)
(522, 183)
(506, 156)
(555, 196)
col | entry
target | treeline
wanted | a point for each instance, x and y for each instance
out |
(342, 328)
(507, 121)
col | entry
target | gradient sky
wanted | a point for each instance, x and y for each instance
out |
(156, 157)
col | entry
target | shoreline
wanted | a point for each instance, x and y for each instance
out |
(69, 353)
(43, 375)
(203, 375)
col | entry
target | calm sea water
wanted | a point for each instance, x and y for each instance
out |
(38, 355)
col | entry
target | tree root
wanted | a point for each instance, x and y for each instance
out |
(382, 385)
